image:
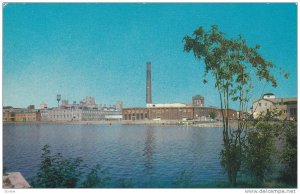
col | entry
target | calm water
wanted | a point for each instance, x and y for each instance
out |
(149, 156)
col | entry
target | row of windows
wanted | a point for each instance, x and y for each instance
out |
(136, 116)
(266, 104)
(25, 119)
(259, 104)
(63, 116)
(293, 111)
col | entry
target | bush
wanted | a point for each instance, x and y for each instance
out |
(289, 154)
(58, 172)
(258, 149)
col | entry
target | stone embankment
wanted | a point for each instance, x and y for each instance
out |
(14, 180)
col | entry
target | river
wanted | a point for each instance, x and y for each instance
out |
(147, 156)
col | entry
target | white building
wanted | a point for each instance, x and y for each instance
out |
(119, 105)
(87, 110)
(269, 103)
(43, 105)
(65, 114)
(64, 103)
(44, 115)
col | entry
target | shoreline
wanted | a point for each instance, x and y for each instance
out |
(200, 124)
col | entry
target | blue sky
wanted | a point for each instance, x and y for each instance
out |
(101, 50)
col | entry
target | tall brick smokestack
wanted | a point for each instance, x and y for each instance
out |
(148, 84)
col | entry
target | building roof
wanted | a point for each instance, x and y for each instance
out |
(198, 96)
(166, 105)
(278, 100)
(186, 107)
(268, 94)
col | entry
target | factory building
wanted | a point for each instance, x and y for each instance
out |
(173, 111)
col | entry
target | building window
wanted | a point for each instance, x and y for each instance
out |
(146, 115)
(293, 112)
(259, 104)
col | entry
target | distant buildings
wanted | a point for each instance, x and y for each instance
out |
(31, 107)
(28, 116)
(11, 114)
(86, 110)
(286, 108)
(43, 105)
(8, 116)
(44, 114)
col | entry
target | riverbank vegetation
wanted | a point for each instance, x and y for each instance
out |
(55, 171)
(233, 65)
(268, 159)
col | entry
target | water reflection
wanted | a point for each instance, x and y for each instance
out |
(148, 153)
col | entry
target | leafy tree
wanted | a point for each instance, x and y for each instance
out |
(212, 115)
(259, 148)
(232, 64)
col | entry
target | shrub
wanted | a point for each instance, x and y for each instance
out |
(258, 150)
(58, 172)
(289, 154)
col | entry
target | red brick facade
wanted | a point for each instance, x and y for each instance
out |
(173, 113)
(28, 116)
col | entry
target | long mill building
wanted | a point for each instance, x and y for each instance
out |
(195, 110)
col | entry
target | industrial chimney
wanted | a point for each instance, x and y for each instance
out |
(148, 84)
